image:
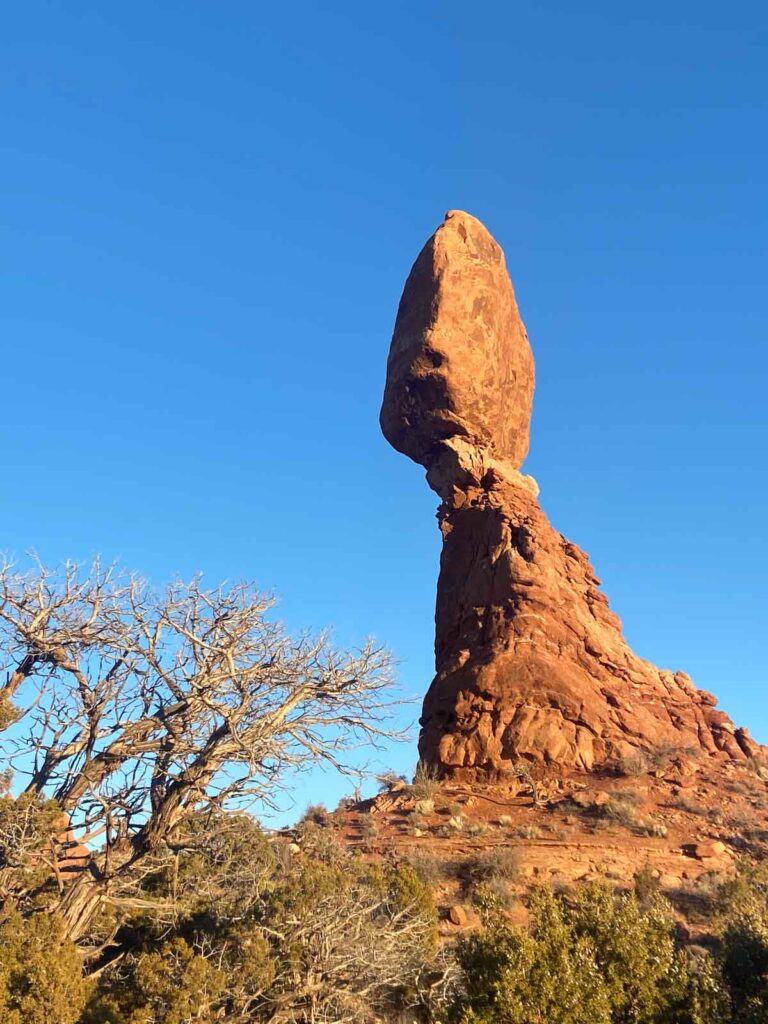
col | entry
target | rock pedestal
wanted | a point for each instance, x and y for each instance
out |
(530, 661)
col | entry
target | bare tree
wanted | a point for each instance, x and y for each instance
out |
(356, 950)
(293, 935)
(132, 708)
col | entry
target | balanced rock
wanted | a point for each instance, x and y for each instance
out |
(460, 366)
(530, 661)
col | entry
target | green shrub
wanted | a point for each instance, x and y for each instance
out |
(743, 906)
(511, 976)
(9, 713)
(368, 826)
(27, 823)
(41, 975)
(635, 950)
(316, 814)
(646, 884)
(591, 956)
(174, 985)
(492, 894)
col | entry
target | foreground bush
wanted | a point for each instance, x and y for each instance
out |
(744, 924)
(231, 924)
(261, 934)
(589, 957)
(41, 976)
(146, 719)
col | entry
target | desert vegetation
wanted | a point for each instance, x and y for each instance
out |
(140, 732)
(140, 724)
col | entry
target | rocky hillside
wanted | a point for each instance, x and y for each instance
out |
(679, 819)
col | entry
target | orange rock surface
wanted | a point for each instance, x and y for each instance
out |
(460, 365)
(530, 661)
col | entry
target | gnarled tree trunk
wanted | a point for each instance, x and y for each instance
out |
(80, 903)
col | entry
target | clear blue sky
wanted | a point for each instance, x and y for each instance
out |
(208, 214)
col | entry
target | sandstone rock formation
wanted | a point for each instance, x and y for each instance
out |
(530, 661)
(460, 366)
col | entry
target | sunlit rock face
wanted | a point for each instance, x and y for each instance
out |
(460, 366)
(530, 661)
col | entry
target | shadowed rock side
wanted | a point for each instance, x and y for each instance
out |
(531, 663)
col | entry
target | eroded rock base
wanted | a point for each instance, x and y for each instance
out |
(531, 661)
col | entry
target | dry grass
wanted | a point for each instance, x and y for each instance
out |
(661, 757)
(620, 812)
(632, 797)
(426, 782)
(528, 832)
(743, 819)
(633, 765)
(430, 869)
(368, 827)
(622, 809)
(689, 805)
(498, 862)
(647, 827)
